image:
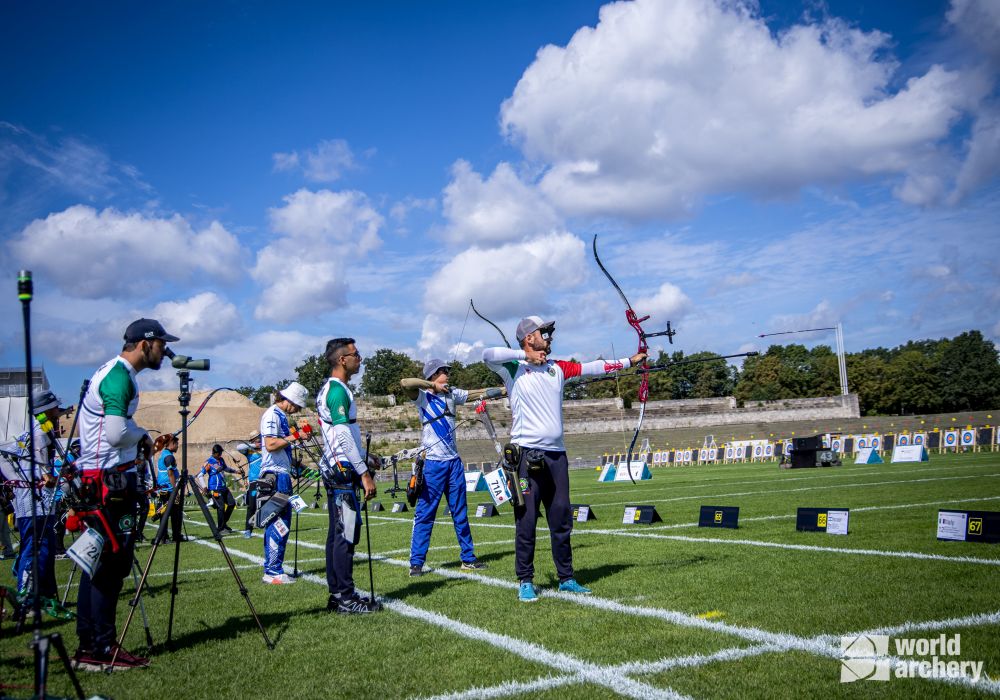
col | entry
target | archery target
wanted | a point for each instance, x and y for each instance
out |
(703, 455)
(836, 444)
(656, 458)
(919, 438)
(729, 452)
(876, 442)
(950, 438)
(758, 451)
(968, 438)
(769, 450)
(903, 440)
(739, 452)
(862, 443)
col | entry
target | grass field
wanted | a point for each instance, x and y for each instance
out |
(676, 611)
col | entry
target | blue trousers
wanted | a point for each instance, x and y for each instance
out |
(46, 555)
(441, 479)
(274, 543)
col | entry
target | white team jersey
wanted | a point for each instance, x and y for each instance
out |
(274, 423)
(114, 382)
(20, 470)
(536, 393)
(335, 406)
(437, 416)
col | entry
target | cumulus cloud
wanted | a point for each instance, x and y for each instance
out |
(325, 163)
(507, 280)
(668, 304)
(978, 21)
(665, 102)
(205, 320)
(265, 357)
(306, 270)
(500, 209)
(109, 253)
(440, 338)
(982, 164)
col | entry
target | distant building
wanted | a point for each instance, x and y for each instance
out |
(12, 381)
(13, 401)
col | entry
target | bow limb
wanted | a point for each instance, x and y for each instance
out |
(636, 323)
(476, 311)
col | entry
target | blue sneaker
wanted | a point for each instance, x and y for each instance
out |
(571, 586)
(527, 593)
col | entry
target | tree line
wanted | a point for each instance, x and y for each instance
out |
(925, 376)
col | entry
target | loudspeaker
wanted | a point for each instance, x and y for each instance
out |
(807, 443)
(803, 458)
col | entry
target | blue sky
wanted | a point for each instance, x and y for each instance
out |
(262, 178)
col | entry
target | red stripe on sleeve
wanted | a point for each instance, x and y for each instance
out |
(570, 369)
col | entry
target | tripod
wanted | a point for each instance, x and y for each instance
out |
(39, 642)
(177, 501)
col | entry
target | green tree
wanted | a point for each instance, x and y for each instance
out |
(261, 395)
(384, 369)
(868, 377)
(313, 373)
(970, 373)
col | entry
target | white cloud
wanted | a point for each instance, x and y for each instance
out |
(441, 338)
(497, 210)
(265, 357)
(979, 21)
(401, 209)
(93, 254)
(306, 270)
(205, 320)
(823, 315)
(665, 102)
(982, 164)
(67, 164)
(324, 163)
(512, 280)
(668, 304)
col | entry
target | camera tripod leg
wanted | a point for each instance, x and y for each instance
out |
(142, 606)
(232, 567)
(42, 646)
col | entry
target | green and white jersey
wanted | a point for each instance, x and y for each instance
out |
(113, 393)
(338, 417)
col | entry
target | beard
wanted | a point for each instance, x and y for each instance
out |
(148, 359)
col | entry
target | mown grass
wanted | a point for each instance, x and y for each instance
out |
(672, 566)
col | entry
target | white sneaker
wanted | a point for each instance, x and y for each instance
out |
(280, 579)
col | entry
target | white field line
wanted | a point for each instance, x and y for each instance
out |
(406, 550)
(770, 476)
(860, 509)
(825, 487)
(798, 547)
(588, 672)
(509, 688)
(749, 543)
(820, 645)
(992, 618)
(723, 656)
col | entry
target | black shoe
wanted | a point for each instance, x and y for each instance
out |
(357, 606)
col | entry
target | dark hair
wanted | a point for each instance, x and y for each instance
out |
(335, 349)
(129, 347)
(217, 449)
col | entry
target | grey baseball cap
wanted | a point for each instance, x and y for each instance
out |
(44, 400)
(433, 365)
(530, 324)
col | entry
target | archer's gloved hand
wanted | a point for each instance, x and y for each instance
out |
(495, 393)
